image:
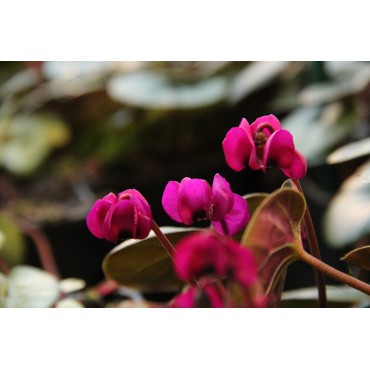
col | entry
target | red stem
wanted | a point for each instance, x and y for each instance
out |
(315, 251)
(167, 245)
(333, 273)
(43, 247)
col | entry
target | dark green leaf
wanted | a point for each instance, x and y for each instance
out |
(144, 264)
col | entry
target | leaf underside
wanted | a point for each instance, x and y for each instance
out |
(274, 235)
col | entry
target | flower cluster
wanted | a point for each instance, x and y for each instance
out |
(261, 144)
(212, 260)
(221, 272)
(194, 199)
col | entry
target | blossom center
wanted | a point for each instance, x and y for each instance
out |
(124, 196)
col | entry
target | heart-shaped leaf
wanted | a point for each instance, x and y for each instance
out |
(144, 264)
(273, 233)
(359, 257)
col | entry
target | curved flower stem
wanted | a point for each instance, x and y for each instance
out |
(333, 273)
(315, 251)
(167, 245)
(42, 245)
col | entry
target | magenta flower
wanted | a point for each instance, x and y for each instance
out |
(221, 268)
(261, 144)
(123, 217)
(206, 253)
(195, 199)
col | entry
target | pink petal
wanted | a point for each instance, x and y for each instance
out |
(270, 119)
(279, 150)
(237, 146)
(298, 168)
(199, 254)
(195, 200)
(96, 216)
(142, 218)
(139, 200)
(214, 296)
(120, 224)
(244, 124)
(243, 265)
(185, 299)
(223, 198)
(170, 200)
(236, 220)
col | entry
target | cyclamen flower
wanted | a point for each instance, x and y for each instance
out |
(206, 253)
(195, 199)
(215, 262)
(123, 217)
(261, 144)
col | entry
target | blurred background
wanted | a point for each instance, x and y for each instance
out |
(71, 132)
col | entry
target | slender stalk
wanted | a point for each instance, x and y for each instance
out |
(334, 273)
(314, 250)
(167, 245)
(43, 247)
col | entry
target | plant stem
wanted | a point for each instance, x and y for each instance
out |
(167, 245)
(334, 273)
(314, 249)
(42, 245)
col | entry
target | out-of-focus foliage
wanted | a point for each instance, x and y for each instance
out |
(28, 286)
(12, 248)
(348, 216)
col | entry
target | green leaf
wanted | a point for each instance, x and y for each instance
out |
(144, 264)
(359, 257)
(12, 247)
(273, 233)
